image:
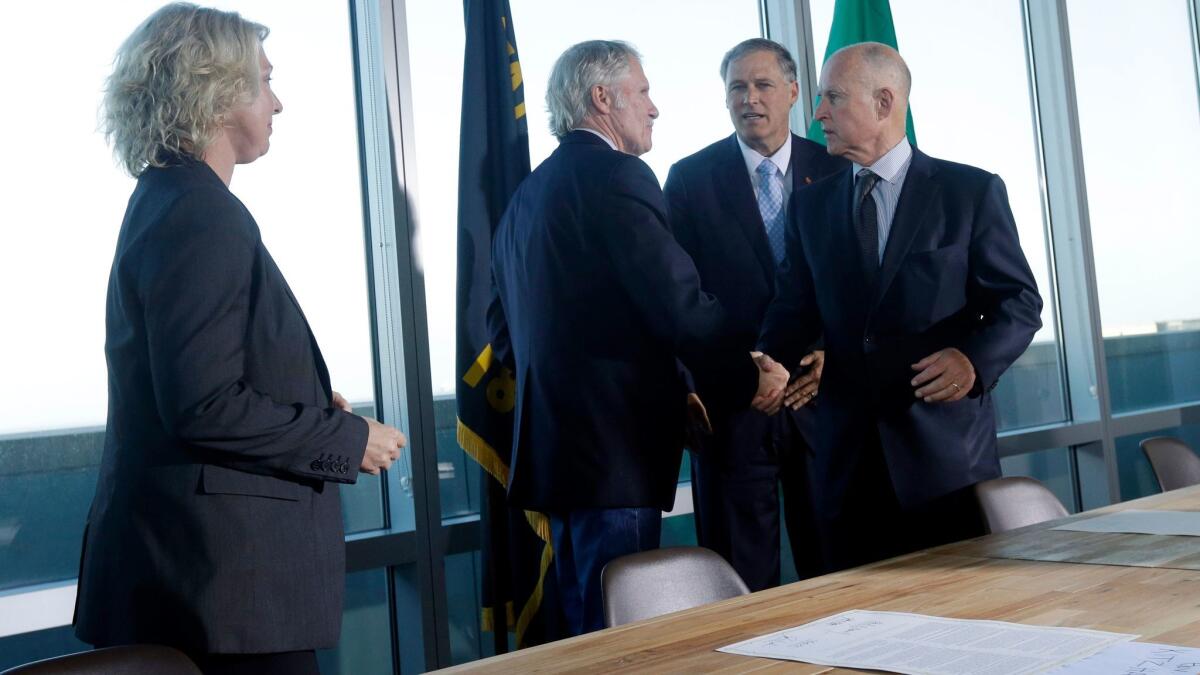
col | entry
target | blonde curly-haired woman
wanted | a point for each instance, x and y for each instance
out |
(216, 527)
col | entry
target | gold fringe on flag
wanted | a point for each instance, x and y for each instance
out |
(483, 453)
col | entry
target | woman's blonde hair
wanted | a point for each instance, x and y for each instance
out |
(173, 81)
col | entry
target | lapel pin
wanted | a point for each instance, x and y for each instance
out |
(808, 180)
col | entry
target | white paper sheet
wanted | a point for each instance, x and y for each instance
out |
(1137, 658)
(915, 644)
(1186, 523)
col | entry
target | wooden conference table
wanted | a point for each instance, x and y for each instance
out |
(1127, 583)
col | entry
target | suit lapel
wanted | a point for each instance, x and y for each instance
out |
(838, 225)
(801, 157)
(731, 185)
(916, 198)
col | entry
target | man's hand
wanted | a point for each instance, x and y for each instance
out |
(383, 447)
(943, 376)
(772, 379)
(341, 403)
(698, 413)
(804, 389)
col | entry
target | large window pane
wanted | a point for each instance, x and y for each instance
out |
(687, 91)
(436, 35)
(365, 645)
(970, 104)
(467, 641)
(16, 650)
(59, 239)
(1135, 79)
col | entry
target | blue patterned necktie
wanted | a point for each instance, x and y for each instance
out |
(769, 189)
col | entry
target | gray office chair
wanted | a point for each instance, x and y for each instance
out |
(651, 583)
(1016, 501)
(127, 660)
(1175, 464)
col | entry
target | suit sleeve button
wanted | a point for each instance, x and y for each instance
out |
(315, 465)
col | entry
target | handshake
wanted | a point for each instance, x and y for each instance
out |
(774, 391)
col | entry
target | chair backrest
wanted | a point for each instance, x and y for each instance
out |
(126, 660)
(1175, 464)
(651, 583)
(1016, 501)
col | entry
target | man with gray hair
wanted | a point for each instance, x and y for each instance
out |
(911, 269)
(595, 302)
(727, 206)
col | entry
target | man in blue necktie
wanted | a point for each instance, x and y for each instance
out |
(727, 206)
(910, 269)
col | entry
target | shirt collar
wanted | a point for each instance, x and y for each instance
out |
(606, 138)
(889, 167)
(781, 158)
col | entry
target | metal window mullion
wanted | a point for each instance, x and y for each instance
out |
(422, 436)
(403, 383)
(1194, 22)
(789, 22)
(1060, 148)
(376, 207)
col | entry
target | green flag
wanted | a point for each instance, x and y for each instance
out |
(859, 21)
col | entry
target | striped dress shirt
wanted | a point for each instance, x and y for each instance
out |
(891, 169)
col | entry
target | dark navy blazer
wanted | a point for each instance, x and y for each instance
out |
(714, 215)
(953, 275)
(596, 300)
(214, 527)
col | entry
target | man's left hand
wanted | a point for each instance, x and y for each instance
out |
(943, 376)
(804, 388)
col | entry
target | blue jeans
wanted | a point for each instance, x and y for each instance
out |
(585, 540)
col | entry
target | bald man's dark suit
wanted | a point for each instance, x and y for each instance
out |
(953, 275)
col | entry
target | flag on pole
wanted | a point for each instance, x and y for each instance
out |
(518, 584)
(859, 21)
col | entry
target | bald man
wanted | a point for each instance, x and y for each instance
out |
(911, 268)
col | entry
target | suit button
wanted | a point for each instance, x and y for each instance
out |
(326, 465)
(868, 339)
(343, 468)
(315, 465)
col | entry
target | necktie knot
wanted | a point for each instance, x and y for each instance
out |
(863, 184)
(767, 168)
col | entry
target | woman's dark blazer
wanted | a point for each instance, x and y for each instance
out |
(214, 527)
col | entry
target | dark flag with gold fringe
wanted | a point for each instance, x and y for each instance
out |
(518, 580)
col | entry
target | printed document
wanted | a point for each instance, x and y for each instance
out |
(928, 645)
(1137, 658)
